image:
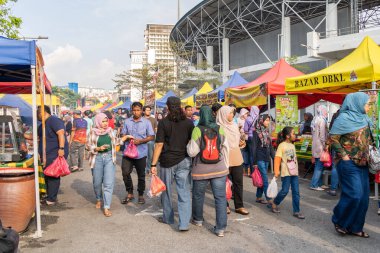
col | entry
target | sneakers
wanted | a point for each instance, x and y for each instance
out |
(196, 223)
(325, 187)
(316, 188)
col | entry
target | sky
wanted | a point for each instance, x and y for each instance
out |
(89, 40)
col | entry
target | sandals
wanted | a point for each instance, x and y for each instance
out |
(340, 230)
(299, 216)
(360, 234)
(228, 210)
(98, 204)
(128, 199)
(107, 213)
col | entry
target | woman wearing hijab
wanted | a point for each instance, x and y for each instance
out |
(262, 151)
(350, 139)
(249, 126)
(102, 146)
(204, 173)
(306, 127)
(225, 119)
(244, 150)
(319, 128)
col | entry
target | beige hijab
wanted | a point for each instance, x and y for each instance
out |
(231, 129)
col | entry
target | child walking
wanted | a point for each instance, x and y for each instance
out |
(285, 162)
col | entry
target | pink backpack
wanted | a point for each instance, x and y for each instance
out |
(257, 180)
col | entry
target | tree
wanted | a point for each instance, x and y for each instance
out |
(68, 97)
(149, 77)
(9, 24)
(292, 60)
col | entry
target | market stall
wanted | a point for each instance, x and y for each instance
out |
(235, 80)
(206, 88)
(22, 72)
(162, 101)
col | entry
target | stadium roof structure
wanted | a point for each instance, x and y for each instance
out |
(212, 20)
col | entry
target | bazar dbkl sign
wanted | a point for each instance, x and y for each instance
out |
(286, 112)
(206, 99)
(255, 95)
(149, 98)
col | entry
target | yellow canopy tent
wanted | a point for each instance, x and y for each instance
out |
(355, 72)
(118, 104)
(28, 98)
(206, 88)
(97, 106)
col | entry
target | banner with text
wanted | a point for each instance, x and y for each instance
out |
(286, 112)
(255, 95)
(150, 98)
(206, 99)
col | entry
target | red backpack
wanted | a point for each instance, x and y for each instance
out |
(210, 145)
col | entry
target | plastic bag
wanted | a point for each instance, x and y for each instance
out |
(156, 187)
(272, 189)
(324, 157)
(257, 180)
(131, 150)
(328, 163)
(59, 168)
(228, 189)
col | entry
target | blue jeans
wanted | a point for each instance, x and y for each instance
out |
(103, 173)
(352, 207)
(180, 173)
(316, 181)
(263, 168)
(218, 186)
(334, 175)
(286, 183)
(149, 156)
(245, 154)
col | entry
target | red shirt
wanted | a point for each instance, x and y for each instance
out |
(111, 123)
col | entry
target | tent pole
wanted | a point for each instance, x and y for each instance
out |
(270, 128)
(35, 152)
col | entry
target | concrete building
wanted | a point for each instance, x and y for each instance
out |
(248, 36)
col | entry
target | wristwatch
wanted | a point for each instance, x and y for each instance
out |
(62, 148)
(153, 165)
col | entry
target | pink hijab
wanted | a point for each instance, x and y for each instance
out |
(98, 125)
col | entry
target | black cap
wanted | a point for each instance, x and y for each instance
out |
(173, 101)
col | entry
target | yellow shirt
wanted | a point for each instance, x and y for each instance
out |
(287, 152)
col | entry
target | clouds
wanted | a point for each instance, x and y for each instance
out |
(89, 40)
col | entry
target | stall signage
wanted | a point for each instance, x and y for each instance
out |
(150, 98)
(206, 99)
(256, 95)
(286, 112)
(335, 78)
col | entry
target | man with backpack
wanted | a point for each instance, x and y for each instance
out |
(173, 134)
(209, 148)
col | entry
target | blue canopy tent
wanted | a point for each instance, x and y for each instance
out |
(125, 105)
(20, 65)
(190, 93)
(162, 101)
(24, 107)
(235, 80)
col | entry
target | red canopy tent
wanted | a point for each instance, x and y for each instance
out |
(275, 82)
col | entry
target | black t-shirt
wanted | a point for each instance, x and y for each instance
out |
(175, 136)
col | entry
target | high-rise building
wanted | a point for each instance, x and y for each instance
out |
(158, 45)
(138, 59)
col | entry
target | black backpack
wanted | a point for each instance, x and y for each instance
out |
(210, 150)
(9, 240)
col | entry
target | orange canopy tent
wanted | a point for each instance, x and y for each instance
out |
(275, 77)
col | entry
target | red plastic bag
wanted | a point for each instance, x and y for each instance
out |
(131, 150)
(325, 156)
(228, 189)
(59, 168)
(156, 187)
(257, 180)
(328, 163)
(377, 177)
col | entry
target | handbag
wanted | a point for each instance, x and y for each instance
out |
(374, 155)
(228, 189)
(292, 168)
(9, 240)
(59, 168)
(272, 190)
(131, 151)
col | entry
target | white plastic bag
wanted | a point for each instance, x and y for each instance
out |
(272, 189)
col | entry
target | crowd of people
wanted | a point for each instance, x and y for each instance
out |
(211, 146)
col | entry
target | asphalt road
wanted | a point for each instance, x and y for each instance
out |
(74, 225)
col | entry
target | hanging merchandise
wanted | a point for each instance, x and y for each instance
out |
(286, 112)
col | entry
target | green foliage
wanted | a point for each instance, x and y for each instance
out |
(9, 24)
(68, 97)
(292, 60)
